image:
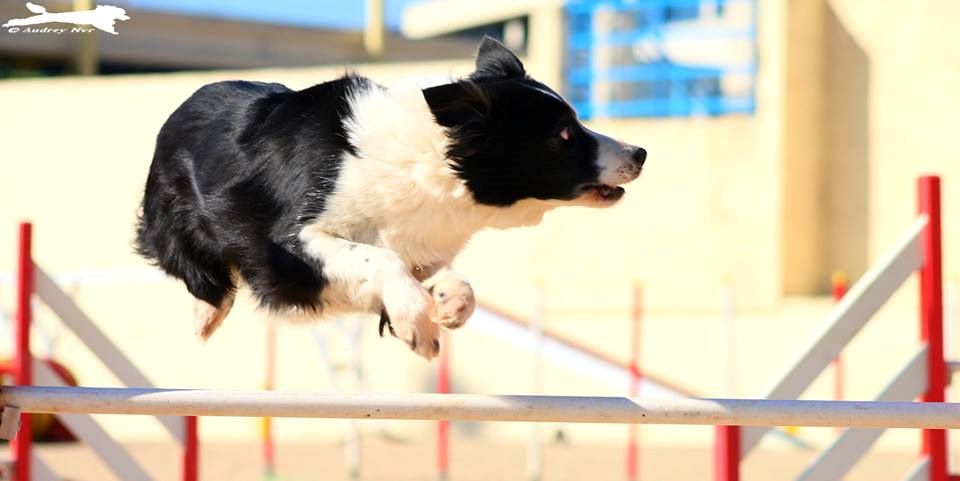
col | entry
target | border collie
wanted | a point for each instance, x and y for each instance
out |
(351, 197)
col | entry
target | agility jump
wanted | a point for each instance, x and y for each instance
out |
(918, 251)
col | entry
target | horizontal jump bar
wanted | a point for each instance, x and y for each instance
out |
(478, 407)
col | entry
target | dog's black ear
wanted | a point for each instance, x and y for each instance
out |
(495, 61)
(457, 104)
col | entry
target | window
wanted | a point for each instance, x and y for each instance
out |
(659, 58)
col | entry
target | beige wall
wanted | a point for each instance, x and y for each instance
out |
(802, 212)
(867, 88)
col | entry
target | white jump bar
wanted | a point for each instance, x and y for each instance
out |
(476, 407)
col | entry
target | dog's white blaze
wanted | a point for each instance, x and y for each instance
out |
(614, 158)
(548, 93)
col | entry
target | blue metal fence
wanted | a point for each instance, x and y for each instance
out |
(658, 58)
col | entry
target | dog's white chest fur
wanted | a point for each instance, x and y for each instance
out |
(398, 192)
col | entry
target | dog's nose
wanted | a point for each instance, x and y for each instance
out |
(639, 155)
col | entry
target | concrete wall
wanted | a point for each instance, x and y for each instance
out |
(866, 88)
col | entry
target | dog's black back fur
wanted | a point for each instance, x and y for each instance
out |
(237, 169)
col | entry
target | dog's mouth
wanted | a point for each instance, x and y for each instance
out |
(602, 193)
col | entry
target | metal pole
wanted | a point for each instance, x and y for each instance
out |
(726, 453)
(481, 407)
(23, 359)
(86, 56)
(191, 450)
(353, 450)
(374, 32)
(934, 445)
(728, 315)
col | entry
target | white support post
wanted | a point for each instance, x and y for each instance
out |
(841, 456)
(97, 342)
(41, 470)
(9, 422)
(728, 314)
(919, 472)
(846, 319)
(114, 455)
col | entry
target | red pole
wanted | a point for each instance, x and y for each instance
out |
(23, 369)
(726, 454)
(191, 450)
(839, 282)
(633, 452)
(443, 427)
(934, 444)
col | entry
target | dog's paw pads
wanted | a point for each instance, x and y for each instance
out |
(453, 301)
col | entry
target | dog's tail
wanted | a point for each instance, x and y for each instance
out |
(38, 9)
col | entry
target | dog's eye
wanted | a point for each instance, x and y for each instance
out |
(565, 133)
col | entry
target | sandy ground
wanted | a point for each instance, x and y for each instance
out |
(470, 461)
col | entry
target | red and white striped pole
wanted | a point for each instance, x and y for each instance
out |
(934, 442)
(23, 372)
(443, 427)
(633, 451)
(839, 282)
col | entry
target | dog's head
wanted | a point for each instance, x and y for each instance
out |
(513, 138)
(112, 12)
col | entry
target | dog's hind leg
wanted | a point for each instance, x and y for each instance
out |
(207, 317)
(207, 278)
(215, 291)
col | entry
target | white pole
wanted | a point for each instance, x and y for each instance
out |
(353, 450)
(352, 456)
(728, 314)
(481, 407)
(535, 447)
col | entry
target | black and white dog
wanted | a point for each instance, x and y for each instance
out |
(351, 197)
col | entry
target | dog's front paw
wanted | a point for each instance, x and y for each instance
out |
(408, 307)
(422, 335)
(453, 300)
